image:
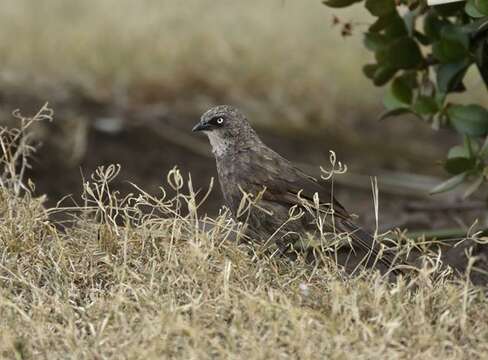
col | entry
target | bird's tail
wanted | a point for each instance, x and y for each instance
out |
(367, 251)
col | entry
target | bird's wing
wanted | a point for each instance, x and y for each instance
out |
(284, 183)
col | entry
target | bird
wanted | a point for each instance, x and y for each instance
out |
(284, 208)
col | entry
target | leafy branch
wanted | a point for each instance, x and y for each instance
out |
(423, 54)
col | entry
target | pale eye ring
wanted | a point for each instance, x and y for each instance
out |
(220, 121)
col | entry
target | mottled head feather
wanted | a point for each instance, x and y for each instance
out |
(235, 132)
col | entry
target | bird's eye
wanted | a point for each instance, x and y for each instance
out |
(218, 121)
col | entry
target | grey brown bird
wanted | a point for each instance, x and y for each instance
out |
(246, 165)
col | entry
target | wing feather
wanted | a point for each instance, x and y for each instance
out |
(284, 182)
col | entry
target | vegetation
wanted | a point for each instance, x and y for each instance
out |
(424, 53)
(136, 275)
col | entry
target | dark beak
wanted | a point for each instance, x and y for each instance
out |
(201, 127)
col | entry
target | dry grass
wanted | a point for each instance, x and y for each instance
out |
(134, 277)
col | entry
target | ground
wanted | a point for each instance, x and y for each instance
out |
(90, 273)
(136, 277)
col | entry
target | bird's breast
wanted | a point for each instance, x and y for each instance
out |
(234, 177)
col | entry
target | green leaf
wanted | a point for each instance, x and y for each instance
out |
(449, 184)
(392, 25)
(482, 6)
(452, 46)
(381, 56)
(421, 38)
(458, 165)
(440, 99)
(472, 10)
(450, 76)
(381, 23)
(369, 70)
(452, 9)
(481, 57)
(404, 53)
(475, 28)
(380, 7)
(470, 120)
(339, 3)
(383, 74)
(458, 151)
(433, 25)
(402, 90)
(375, 41)
(411, 78)
(425, 105)
(396, 26)
(390, 102)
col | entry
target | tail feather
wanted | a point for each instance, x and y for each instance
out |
(367, 250)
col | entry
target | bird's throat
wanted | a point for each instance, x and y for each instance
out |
(220, 146)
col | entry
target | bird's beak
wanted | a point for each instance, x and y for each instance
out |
(201, 126)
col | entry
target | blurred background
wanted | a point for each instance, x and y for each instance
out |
(127, 80)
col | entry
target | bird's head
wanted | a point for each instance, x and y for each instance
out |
(226, 128)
